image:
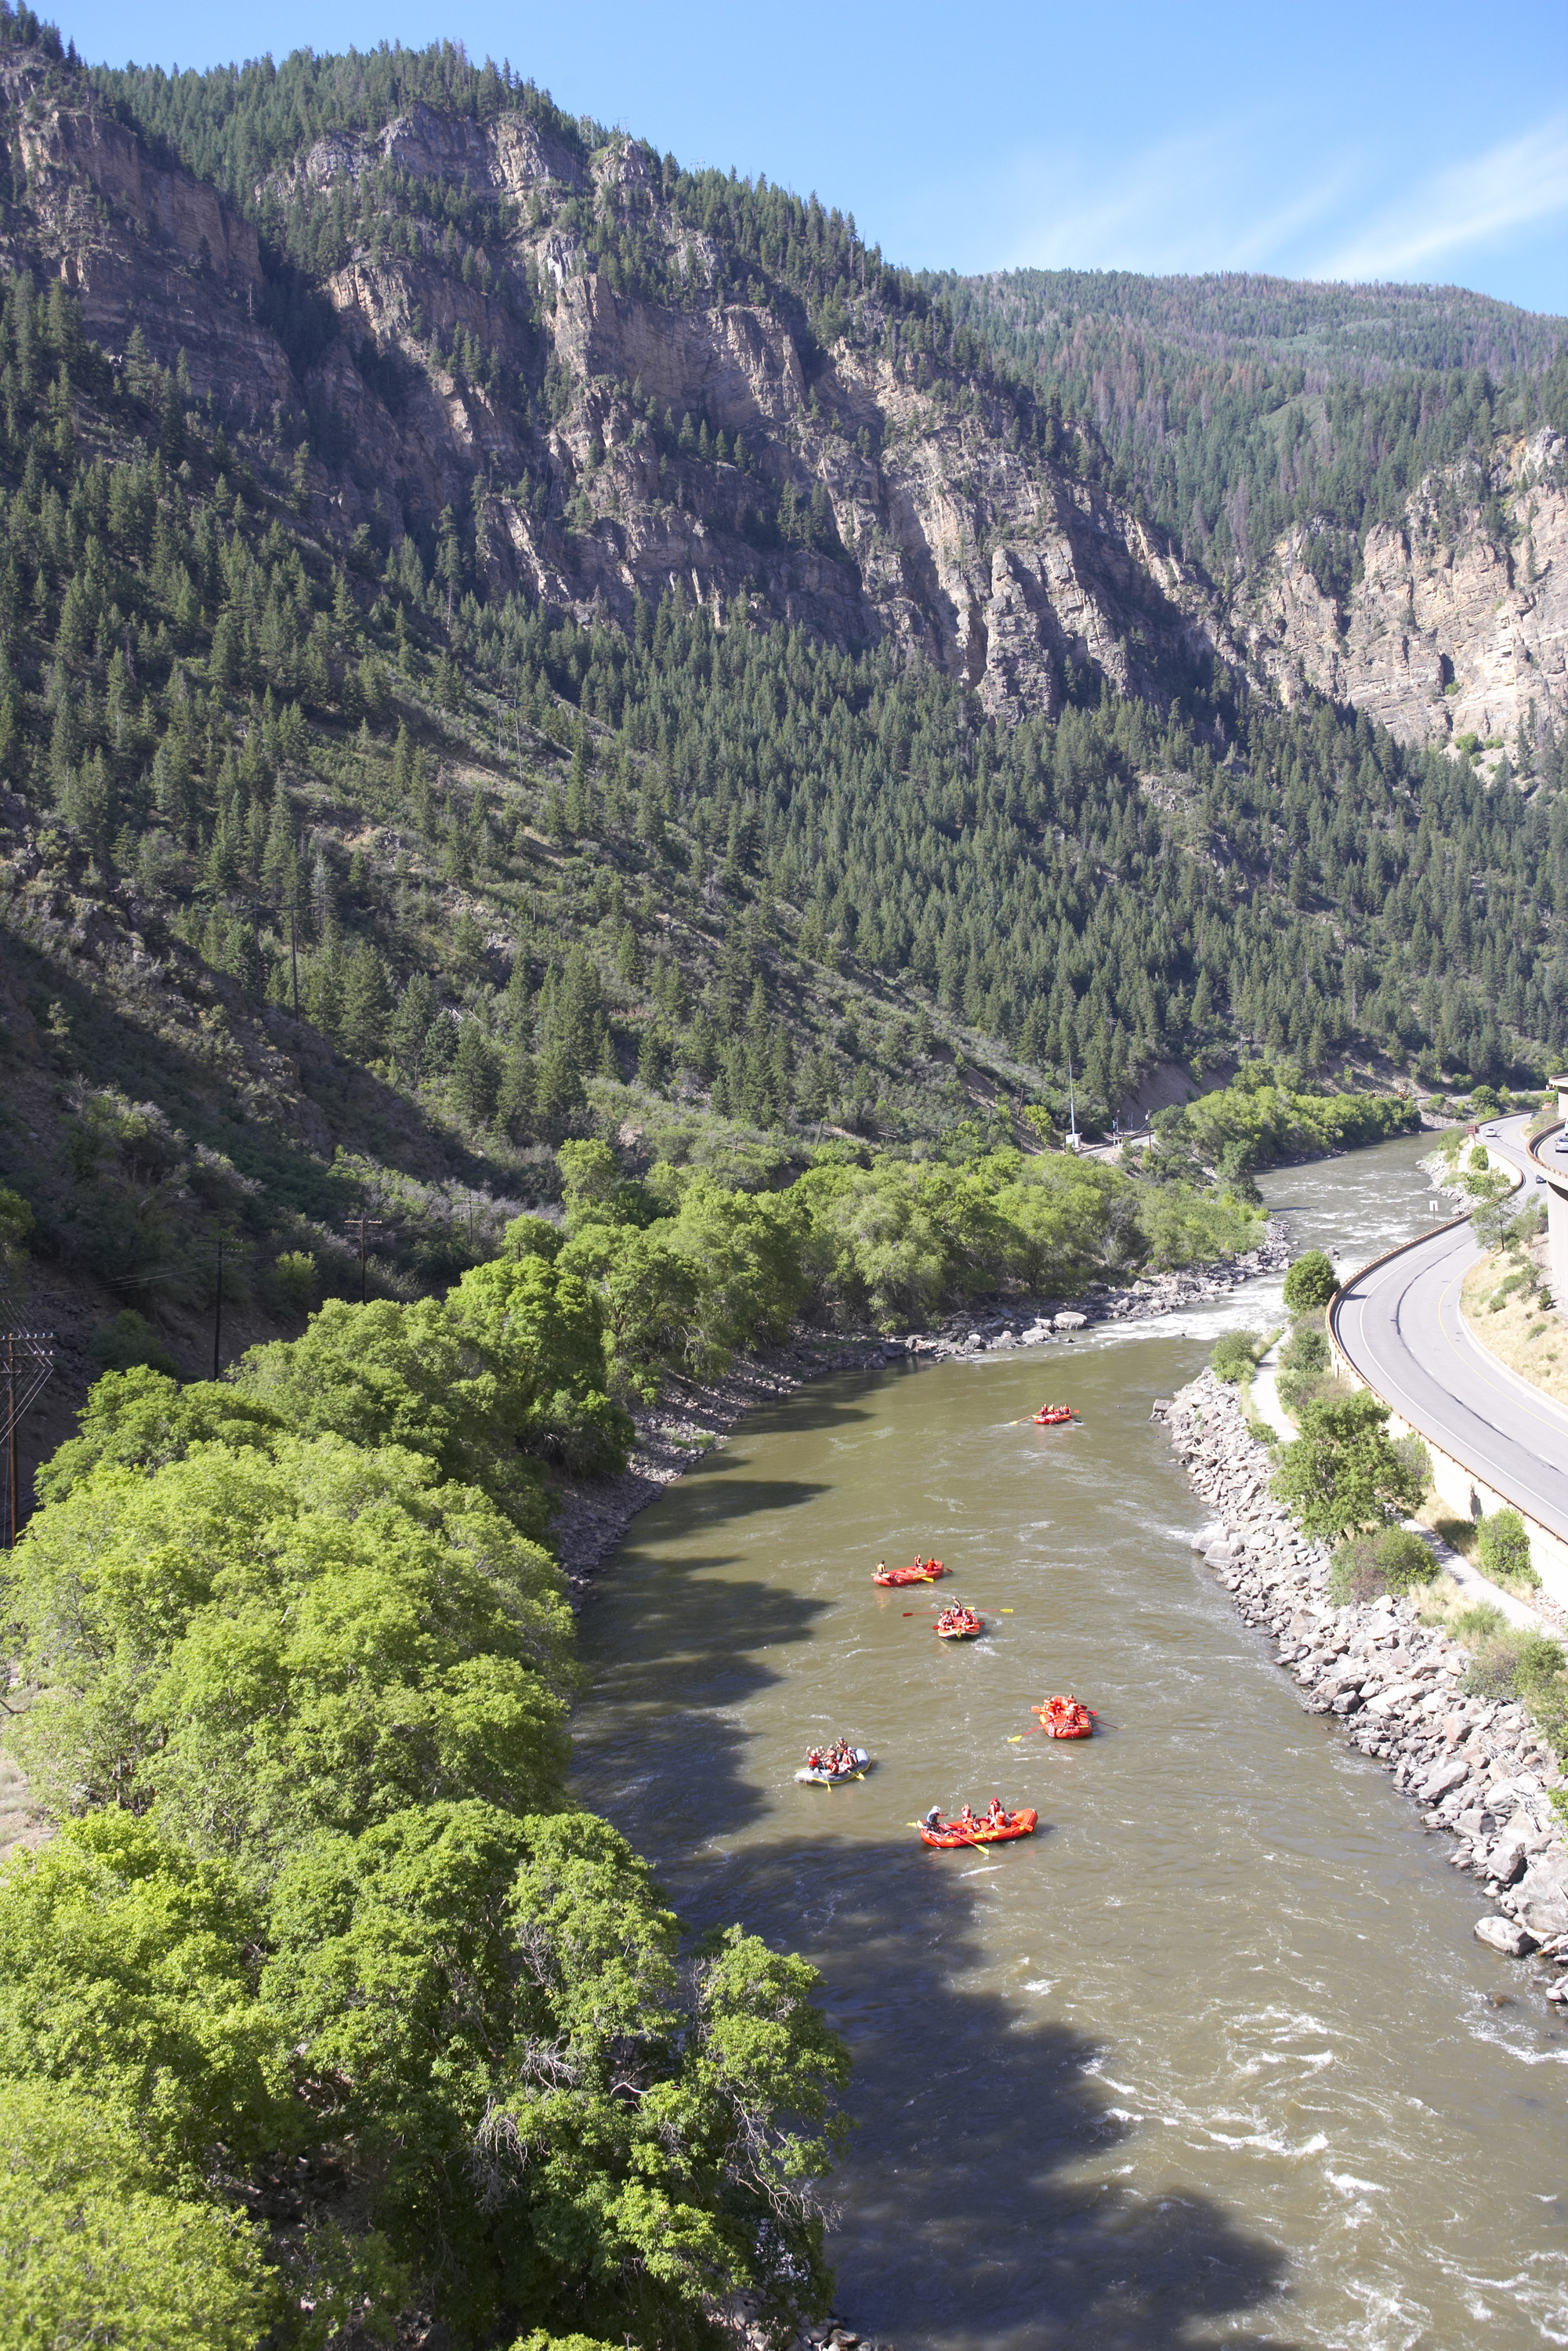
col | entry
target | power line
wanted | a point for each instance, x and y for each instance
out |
(27, 1366)
(361, 1226)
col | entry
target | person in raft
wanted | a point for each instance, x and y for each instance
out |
(932, 1820)
(996, 1815)
(814, 1761)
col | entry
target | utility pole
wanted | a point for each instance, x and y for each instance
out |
(27, 1368)
(361, 1226)
(218, 1312)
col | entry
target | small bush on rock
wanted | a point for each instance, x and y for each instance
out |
(1312, 1281)
(1404, 1559)
(1234, 1358)
(1540, 1680)
(1354, 1578)
(1495, 1661)
(1368, 1567)
(1504, 1547)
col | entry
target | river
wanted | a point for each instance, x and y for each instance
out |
(1212, 2058)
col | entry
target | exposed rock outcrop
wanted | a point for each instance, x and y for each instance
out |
(142, 242)
(1455, 627)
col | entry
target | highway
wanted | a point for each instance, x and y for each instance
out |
(1399, 1324)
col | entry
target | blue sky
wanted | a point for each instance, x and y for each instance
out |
(1394, 141)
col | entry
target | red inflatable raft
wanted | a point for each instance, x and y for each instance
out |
(925, 1571)
(958, 1624)
(1052, 1416)
(1065, 1718)
(978, 1832)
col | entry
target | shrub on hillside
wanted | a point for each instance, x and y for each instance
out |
(1369, 1566)
(1504, 1547)
(1310, 1282)
(293, 1283)
(131, 1341)
(1234, 1358)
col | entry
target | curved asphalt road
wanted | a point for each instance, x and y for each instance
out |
(1399, 1324)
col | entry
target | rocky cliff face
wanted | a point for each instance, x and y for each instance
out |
(935, 527)
(1455, 627)
(140, 242)
(996, 567)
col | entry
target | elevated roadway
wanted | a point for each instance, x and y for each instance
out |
(1399, 1327)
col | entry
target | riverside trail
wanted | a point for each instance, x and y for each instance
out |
(1213, 2057)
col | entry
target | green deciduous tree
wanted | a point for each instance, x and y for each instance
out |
(588, 2136)
(1310, 1282)
(128, 1973)
(271, 1645)
(100, 2248)
(1343, 1472)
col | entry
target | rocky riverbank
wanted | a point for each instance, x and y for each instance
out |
(999, 1327)
(691, 1417)
(1481, 1772)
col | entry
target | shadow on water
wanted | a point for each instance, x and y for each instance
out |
(722, 1497)
(819, 1403)
(687, 1639)
(979, 2203)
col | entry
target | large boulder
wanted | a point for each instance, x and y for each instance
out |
(1505, 1936)
(1507, 1856)
(1448, 1775)
(1542, 1904)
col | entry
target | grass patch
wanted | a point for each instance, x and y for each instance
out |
(1507, 1312)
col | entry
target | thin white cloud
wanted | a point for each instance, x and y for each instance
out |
(1516, 184)
(1190, 203)
(1262, 245)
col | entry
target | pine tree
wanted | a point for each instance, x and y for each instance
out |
(411, 1025)
(580, 789)
(651, 1057)
(515, 1105)
(476, 1075)
(367, 1003)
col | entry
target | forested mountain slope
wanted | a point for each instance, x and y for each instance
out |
(498, 633)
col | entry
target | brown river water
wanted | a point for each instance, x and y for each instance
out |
(1212, 2058)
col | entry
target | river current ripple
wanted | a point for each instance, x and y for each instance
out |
(1214, 2058)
